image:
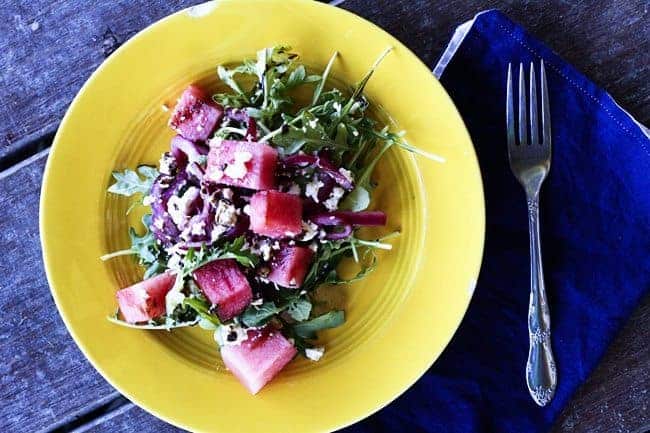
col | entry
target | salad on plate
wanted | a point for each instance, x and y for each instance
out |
(255, 204)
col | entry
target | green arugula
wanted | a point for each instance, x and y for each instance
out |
(130, 182)
(308, 329)
(152, 325)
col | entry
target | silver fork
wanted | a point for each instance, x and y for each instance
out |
(530, 161)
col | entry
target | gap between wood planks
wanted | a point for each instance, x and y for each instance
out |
(114, 404)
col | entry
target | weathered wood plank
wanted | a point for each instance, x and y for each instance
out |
(47, 51)
(45, 380)
(49, 48)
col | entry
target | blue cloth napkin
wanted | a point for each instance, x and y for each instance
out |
(595, 219)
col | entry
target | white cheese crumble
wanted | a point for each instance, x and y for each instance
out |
(237, 169)
(225, 214)
(198, 229)
(147, 200)
(166, 164)
(346, 173)
(310, 230)
(311, 189)
(265, 250)
(178, 207)
(230, 335)
(247, 209)
(227, 193)
(313, 246)
(315, 354)
(332, 202)
(217, 231)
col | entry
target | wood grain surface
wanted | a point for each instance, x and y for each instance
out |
(47, 51)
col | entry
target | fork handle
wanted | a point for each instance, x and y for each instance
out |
(541, 374)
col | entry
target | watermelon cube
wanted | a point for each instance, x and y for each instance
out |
(195, 116)
(242, 163)
(145, 300)
(226, 286)
(290, 265)
(259, 358)
(276, 214)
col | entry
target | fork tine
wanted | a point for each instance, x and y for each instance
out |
(534, 134)
(510, 110)
(546, 111)
(523, 133)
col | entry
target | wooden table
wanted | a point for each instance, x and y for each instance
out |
(49, 48)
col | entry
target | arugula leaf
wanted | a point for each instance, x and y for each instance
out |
(152, 325)
(202, 308)
(356, 200)
(321, 84)
(299, 309)
(145, 247)
(234, 250)
(309, 328)
(259, 315)
(129, 182)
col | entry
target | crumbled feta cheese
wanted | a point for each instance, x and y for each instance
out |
(292, 242)
(322, 233)
(167, 163)
(355, 132)
(294, 189)
(174, 262)
(311, 189)
(198, 229)
(217, 231)
(225, 214)
(313, 123)
(178, 207)
(164, 108)
(265, 250)
(215, 142)
(346, 173)
(332, 203)
(247, 209)
(230, 335)
(257, 302)
(227, 193)
(313, 246)
(237, 169)
(310, 231)
(315, 354)
(147, 200)
(276, 245)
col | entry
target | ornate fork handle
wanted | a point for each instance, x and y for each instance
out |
(541, 375)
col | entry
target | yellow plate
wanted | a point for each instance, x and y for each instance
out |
(398, 320)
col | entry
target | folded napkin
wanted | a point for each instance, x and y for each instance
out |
(595, 222)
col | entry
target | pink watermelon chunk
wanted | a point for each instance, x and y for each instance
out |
(225, 285)
(145, 300)
(290, 265)
(276, 214)
(242, 163)
(195, 116)
(258, 359)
